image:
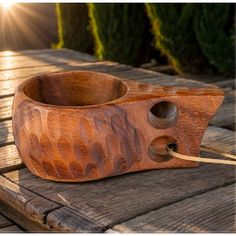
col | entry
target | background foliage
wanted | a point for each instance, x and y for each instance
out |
(214, 27)
(195, 38)
(175, 36)
(73, 27)
(118, 30)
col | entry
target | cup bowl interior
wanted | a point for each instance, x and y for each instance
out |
(79, 88)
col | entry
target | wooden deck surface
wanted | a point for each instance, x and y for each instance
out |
(176, 200)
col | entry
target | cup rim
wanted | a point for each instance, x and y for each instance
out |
(20, 90)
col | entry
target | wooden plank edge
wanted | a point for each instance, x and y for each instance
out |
(20, 220)
(51, 215)
(11, 229)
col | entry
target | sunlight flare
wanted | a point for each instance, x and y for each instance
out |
(6, 4)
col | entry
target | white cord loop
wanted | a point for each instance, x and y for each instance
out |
(172, 153)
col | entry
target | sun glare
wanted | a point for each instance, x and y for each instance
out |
(6, 4)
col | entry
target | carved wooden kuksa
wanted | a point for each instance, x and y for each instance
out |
(80, 125)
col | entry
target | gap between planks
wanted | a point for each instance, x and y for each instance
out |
(44, 211)
(103, 201)
(51, 213)
(212, 211)
(8, 225)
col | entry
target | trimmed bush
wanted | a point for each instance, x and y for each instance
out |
(214, 27)
(118, 30)
(172, 26)
(73, 27)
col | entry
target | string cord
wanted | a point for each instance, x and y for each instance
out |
(172, 153)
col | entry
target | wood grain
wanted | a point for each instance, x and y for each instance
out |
(6, 136)
(4, 222)
(6, 108)
(11, 229)
(20, 220)
(225, 116)
(213, 211)
(64, 51)
(12, 78)
(40, 59)
(220, 139)
(104, 201)
(226, 84)
(97, 132)
(9, 159)
(7, 225)
(37, 208)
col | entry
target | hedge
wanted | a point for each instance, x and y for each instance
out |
(73, 27)
(214, 27)
(118, 30)
(172, 26)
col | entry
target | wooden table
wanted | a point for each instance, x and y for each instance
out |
(176, 200)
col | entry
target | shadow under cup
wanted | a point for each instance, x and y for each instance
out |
(75, 88)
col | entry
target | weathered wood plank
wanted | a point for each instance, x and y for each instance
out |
(9, 53)
(20, 220)
(6, 107)
(213, 211)
(9, 159)
(55, 52)
(225, 117)
(96, 205)
(10, 79)
(226, 84)
(37, 208)
(69, 220)
(41, 59)
(17, 197)
(104, 202)
(175, 81)
(11, 229)
(6, 136)
(219, 139)
(7, 225)
(72, 65)
(122, 71)
(4, 221)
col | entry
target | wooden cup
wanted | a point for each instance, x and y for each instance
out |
(83, 125)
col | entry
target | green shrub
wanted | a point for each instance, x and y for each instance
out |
(118, 30)
(172, 26)
(73, 27)
(214, 27)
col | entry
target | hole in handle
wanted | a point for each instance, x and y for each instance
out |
(157, 149)
(163, 115)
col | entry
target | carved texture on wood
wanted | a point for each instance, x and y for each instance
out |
(69, 143)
